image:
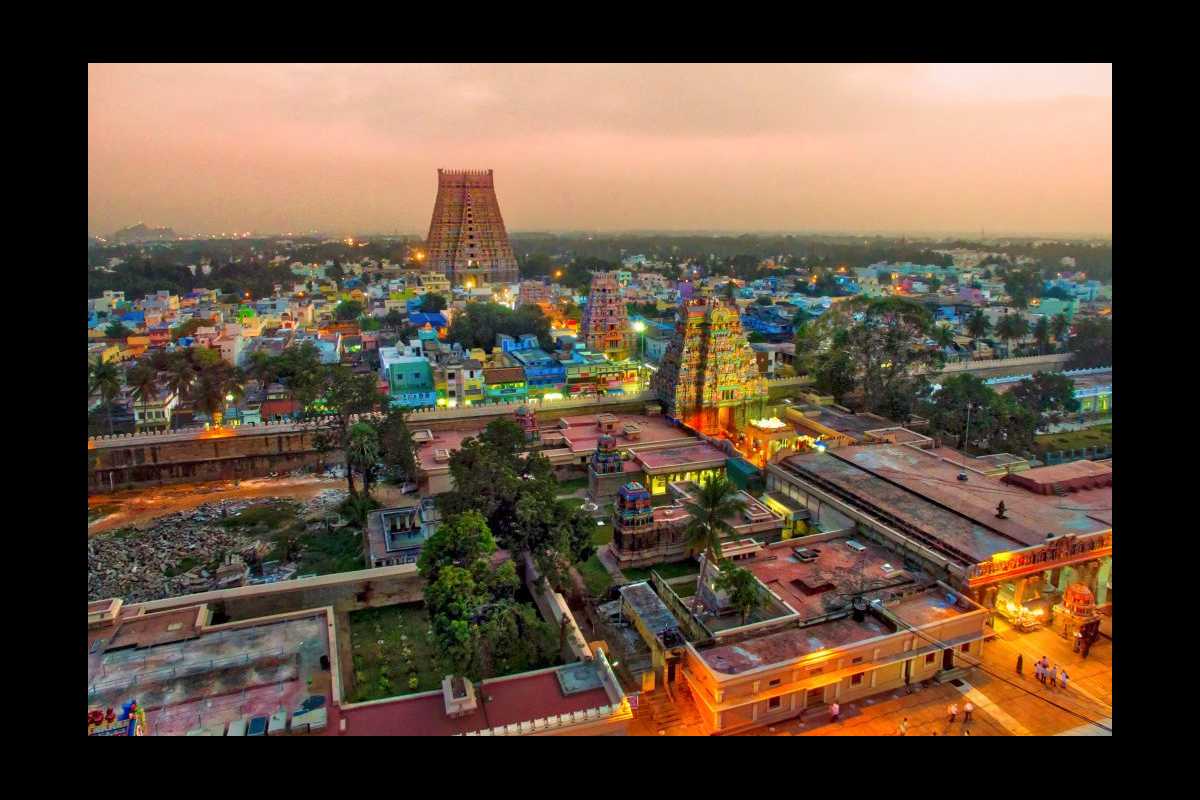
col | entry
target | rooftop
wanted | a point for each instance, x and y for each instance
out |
(690, 457)
(502, 702)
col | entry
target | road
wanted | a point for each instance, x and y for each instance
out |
(138, 507)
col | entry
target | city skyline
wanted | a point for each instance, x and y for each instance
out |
(857, 148)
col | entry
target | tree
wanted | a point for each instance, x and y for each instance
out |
(1011, 327)
(362, 451)
(709, 513)
(431, 303)
(105, 378)
(143, 383)
(263, 368)
(187, 328)
(1022, 285)
(1092, 344)
(1041, 334)
(348, 310)
(118, 330)
(764, 301)
(742, 587)
(460, 541)
(1060, 327)
(396, 445)
(505, 436)
(978, 324)
(1049, 395)
(344, 395)
(976, 416)
(394, 320)
(478, 325)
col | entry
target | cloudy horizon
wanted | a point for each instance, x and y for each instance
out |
(839, 148)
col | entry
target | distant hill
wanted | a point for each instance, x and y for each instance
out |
(141, 233)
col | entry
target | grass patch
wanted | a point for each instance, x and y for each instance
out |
(1098, 436)
(407, 652)
(267, 517)
(326, 553)
(571, 486)
(666, 571)
(603, 534)
(595, 576)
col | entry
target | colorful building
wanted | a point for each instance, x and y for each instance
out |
(605, 327)
(709, 377)
(409, 379)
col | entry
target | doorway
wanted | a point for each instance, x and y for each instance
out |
(948, 659)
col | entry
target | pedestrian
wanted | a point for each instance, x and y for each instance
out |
(1087, 645)
(1054, 677)
(1020, 664)
(835, 711)
(903, 731)
(967, 709)
(1037, 670)
(953, 712)
(1063, 677)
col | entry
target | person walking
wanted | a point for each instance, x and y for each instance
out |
(903, 730)
(1020, 664)
(1063, 678)
(1037, 670)
(953, 712)
(835, 711)
(1054, 677)
(967, 709)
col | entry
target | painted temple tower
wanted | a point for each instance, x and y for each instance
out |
(525, 417)
(467, 240)
(633, 518)
(605, 326)
(709, 377)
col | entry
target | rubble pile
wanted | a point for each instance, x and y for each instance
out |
(132, 564)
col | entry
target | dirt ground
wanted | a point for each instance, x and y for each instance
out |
(138, 507)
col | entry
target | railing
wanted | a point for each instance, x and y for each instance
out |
(1065, 550)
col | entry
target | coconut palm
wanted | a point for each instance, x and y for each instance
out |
(1010, 328)
(1041, 333)
(716, 502)
(978, 324)
(943, 336)
(143, 383)
(1060, 327)
(181, 374)
(105, 378)
(263, 368)
(362, 450)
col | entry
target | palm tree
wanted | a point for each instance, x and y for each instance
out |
(742, 587)
(143, 381)
(943, 336)
(106, 379)
(1041, 332)
(263, 368)
(181, 373)
(978, 325)
(363, 450)
(715, 503)
(1060, 327)
(1011, 327)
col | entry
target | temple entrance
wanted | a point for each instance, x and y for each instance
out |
(948, 659)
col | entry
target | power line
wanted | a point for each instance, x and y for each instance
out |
(979, 663)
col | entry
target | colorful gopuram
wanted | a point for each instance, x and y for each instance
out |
(709, 377)
(606, 469)
(633, 519)
(467, 240)
(605, 327)
(529, 426)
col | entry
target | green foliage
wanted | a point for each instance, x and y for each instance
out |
(998, 423)
(742, 588)
(187, 328)
(1012, 327)
(595, 577)
(356, 507)
(978, 324)
(460, 541)
(1092, 344)
(369, 323)
(535, 265)
(478, 325)
(348, 310)
(431, 303)
(1022, 285)
(118, 330)
(396, 445)
(267, 517)
(394, 320)
(1050, 395)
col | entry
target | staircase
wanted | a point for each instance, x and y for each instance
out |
(657, 710)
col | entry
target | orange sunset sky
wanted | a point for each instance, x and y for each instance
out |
(344, 148)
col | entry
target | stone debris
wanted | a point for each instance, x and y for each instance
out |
(133, 564)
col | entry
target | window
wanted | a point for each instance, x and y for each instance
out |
(774, 703)
(775, 682)
(856, 680)
(966, 648)
(929, 657)
(856, 660)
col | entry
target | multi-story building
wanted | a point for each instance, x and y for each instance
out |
(409, 379)
(467, 240)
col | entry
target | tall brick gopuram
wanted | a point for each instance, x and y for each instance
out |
(467, 241)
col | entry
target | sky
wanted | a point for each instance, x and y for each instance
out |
(346, 148)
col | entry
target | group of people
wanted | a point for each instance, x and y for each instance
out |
(1050, 675)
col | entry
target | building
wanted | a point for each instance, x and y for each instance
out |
(467, 240)
(709, 376)
(645, 534)
(395, 535)
(605, 327)
(544, 374)
(504, 385)
(984, 525)
(155, 413)
(409, 379)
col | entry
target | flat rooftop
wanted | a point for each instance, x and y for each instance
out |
(790, 644)
(501, 702)
(815, 587)
(854, 425)
(216, 676)
(1064, 472)
(922, 490)
(690, 457)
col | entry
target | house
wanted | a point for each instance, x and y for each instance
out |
(155, 413)
(409, 379)
(395, 535)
